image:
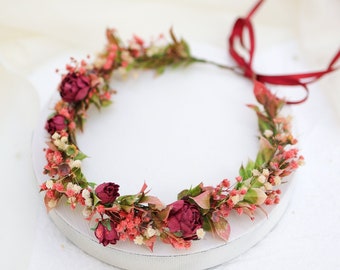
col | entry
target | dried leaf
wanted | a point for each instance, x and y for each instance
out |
(150, 242)
(222, 229)
(203, 199)
(152, 200)
(270, 102)
(50, 203)
(143, 188)
(163, 215)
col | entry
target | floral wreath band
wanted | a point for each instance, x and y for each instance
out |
(142, 218)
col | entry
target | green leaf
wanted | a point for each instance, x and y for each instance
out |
(193, 192)
(207, 223)
(80, 156)
(264, 124)
(255, 196)
(91, 184)
(182, 194)
(265, 153)
(96, 101)
(107, 224)
(160, 70)
(106, 103)
(246, 172)
(256, 184)
(71, 150)
(96, 200)
(128, 200)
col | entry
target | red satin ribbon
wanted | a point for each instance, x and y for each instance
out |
(244, 25)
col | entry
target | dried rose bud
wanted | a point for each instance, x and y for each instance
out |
(184, 219)
(106, 232)
(107, 192)
(74, 87)
(56, 124)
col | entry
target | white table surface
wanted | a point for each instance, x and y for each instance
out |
(34, 32)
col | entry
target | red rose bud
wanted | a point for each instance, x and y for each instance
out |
(184, 219)
(74, 87)
(56, 124)
(106, 232)
(107, 192)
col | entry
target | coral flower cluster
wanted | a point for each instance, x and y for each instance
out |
(142, 218)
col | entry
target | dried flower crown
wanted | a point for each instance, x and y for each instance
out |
(143, 218)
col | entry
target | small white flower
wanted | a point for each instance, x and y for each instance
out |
(152, 50)
(69, 186)
(99, 62)
(265, 172)
(150, 232)
(255, 172)
(139, 240)
(49, 184)
(55, 136)
(87, 212)
(76, 188)
(122, 71)
(134, 46)
(85, 193)
(52, 203)
(277, 180)
(235, 199)
(64, 139)
(71, 200)
(200, 233)
(75, 163)
(301, 162)
(262, 179)
(58, 143)
(268, 186)
(268, 133)
(126, 57)
(88, 201)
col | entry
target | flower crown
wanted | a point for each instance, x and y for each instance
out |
(142, 218)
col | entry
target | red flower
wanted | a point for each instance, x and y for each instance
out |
(106, 232)
(56, 124)
(184, 219)
(74, 87)
(107, 192)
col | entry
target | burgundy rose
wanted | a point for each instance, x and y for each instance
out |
(56, 124)
(184, 219)
(74, 87)
(106, 232)
(107, 192)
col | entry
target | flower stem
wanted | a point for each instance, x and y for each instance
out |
(235, 69)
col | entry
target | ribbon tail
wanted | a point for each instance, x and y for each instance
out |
(298, 79)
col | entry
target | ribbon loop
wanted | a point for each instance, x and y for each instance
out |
(243, 25)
